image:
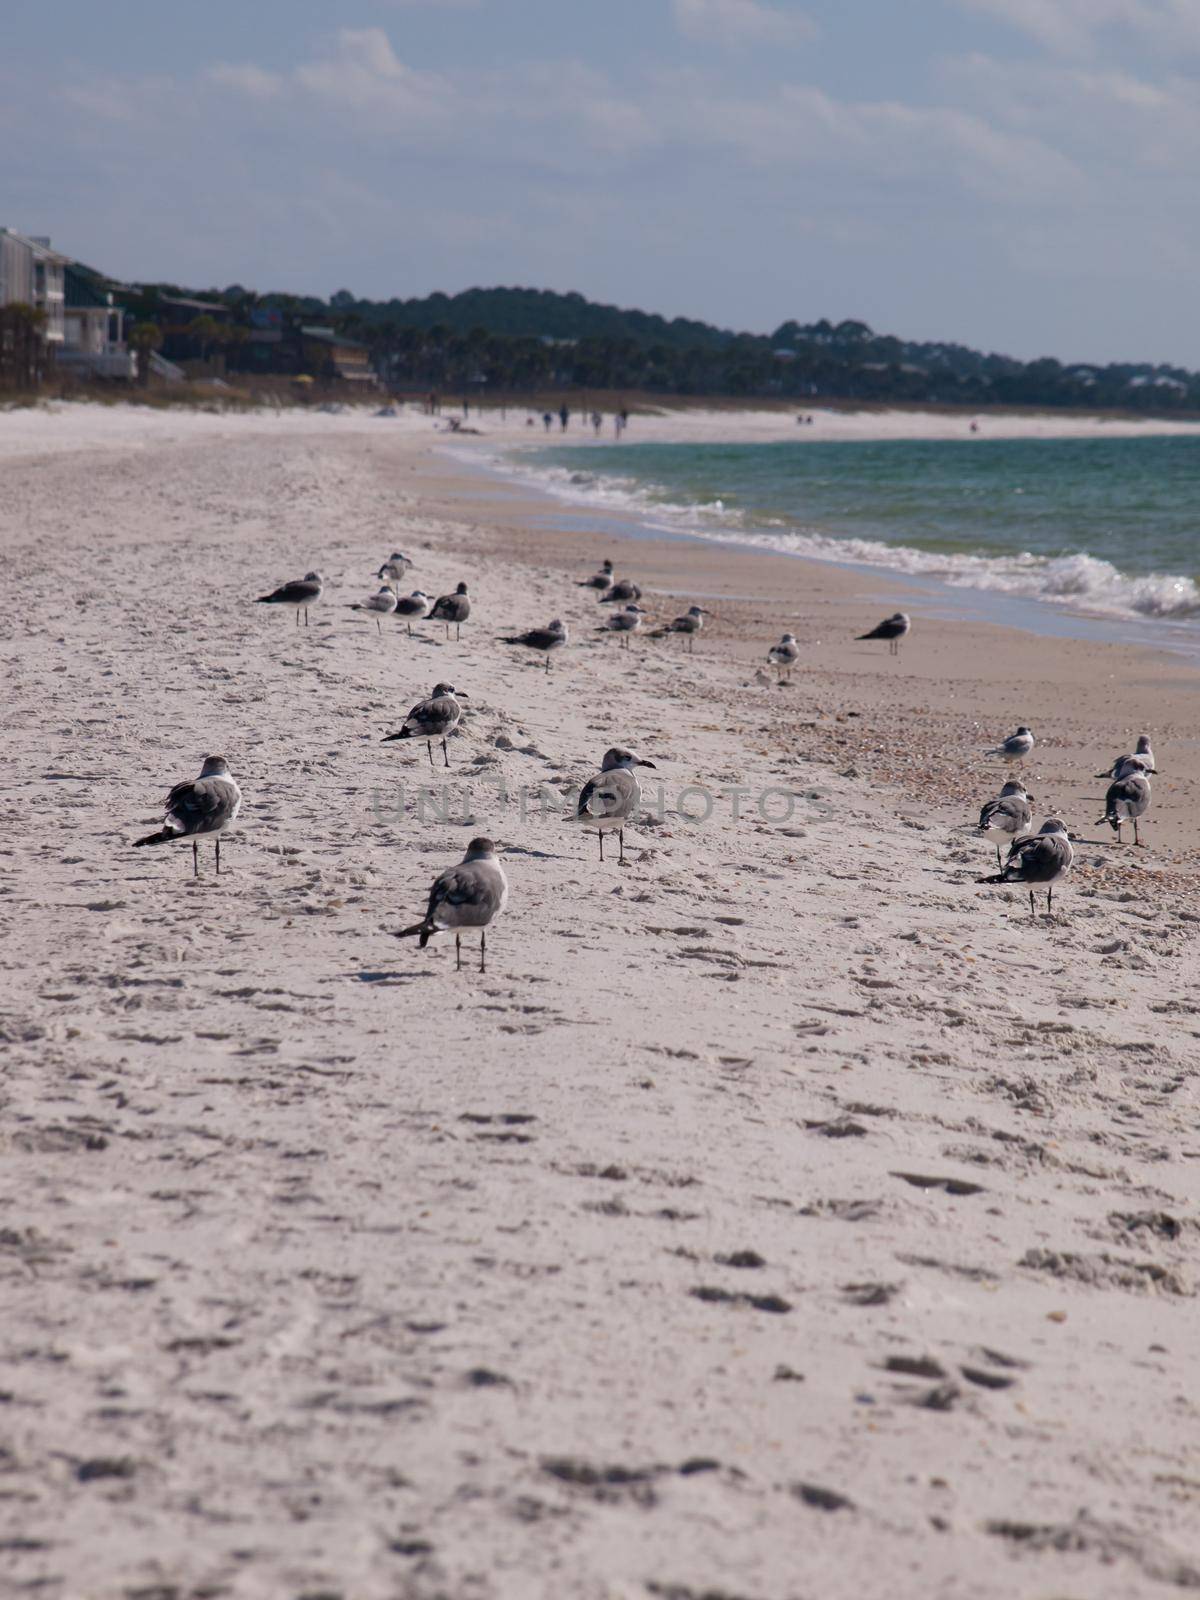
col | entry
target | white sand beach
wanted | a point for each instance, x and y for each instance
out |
(783, 1213)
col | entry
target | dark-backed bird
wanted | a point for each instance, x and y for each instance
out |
(784, 655)
(470, 895)
(208, 804)
(413, 607)
(892, 629)
(381, 604)
(450, 608)
(621, 591)
(624, 622)
(599, 580)
(1011, 813)
(433, 719)
(1039, 860)
(1128, 798)
(1016, 747)
(610, 799)
(396, 565)
(1140, 760)
(547, 640)
(299, 594)
(688, 625)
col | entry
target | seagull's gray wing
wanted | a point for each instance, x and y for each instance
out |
(202, 806)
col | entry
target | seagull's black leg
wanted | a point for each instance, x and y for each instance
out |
(483, 949)
(458, 952)
(1136, 835)
(379, 626)
(999, 863)
(1050, 900)
(297, 616)
(1032, 907)
(445, 754)
(306, 616)
(218, 844)
(195, 858)
(600, 836)
(621, 846)
(457, 632)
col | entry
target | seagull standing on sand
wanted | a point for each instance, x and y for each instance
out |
(1128, 798)
(612, 797)
(623, 589)
(381, 604)
(623, 622)
(394, 568)
(1016, 747)
(1141, 760)
(892, 629)
(784, 655)
(1012, 813)
(688, 625)
(452, 608)
(600, 580)
(547, 640)
(300, 594)
(412, 605)
(209, 804)
(1041, 859)
(470, 895)
(433, 719)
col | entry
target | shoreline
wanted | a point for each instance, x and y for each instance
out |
(782, 1208)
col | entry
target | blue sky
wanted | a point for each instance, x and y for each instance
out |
(1013, 174)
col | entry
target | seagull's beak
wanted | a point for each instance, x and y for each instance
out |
(645, 764)
(461, 694)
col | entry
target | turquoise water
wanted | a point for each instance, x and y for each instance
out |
(1104, 525)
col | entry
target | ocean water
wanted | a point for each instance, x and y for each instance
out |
(1106, 526)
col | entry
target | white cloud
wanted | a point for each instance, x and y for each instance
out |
(251, 81)
(1082, 27)
(740, 22)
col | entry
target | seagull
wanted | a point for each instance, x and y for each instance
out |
(892, 629)
(1128, 798)
(412, 605)
(688, 625)
(382, 604)
(433, 719)
(1016, 747)
(300, 593)
(784, 655)
(470, 895)
(1041, 858)
(396, 565)
(623, 622)
(206, 805)
(1142, 760)
(612, 797)
(600, 580)
(450, 608)
(621, 590)
(1012, 813)
(547, 639)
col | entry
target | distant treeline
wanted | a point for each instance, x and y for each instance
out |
(514, 340)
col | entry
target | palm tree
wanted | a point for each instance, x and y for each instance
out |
(145, 337)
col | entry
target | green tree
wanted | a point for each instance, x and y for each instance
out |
(145, 337)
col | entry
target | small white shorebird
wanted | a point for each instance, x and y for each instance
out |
(1011, 813)
(1141, 760)
(396, 565)
(784, 655)
(1016, 747)
(688, 625)
(1039, 860)
(470, 895)
(299, 594)
(892, 629)
(600, 580)
(209, 804)
(610, 799)
(624, 622)
(547, 640)
(1128, 798)
(381, 604)
(621, 590)
(414, 606)
(452, 608)
(433, 719)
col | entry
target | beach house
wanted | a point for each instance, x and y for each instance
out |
(93, 343)
(32, 274)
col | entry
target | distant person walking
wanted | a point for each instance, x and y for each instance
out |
(547, 421)
(564, 416)
(597, 422)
